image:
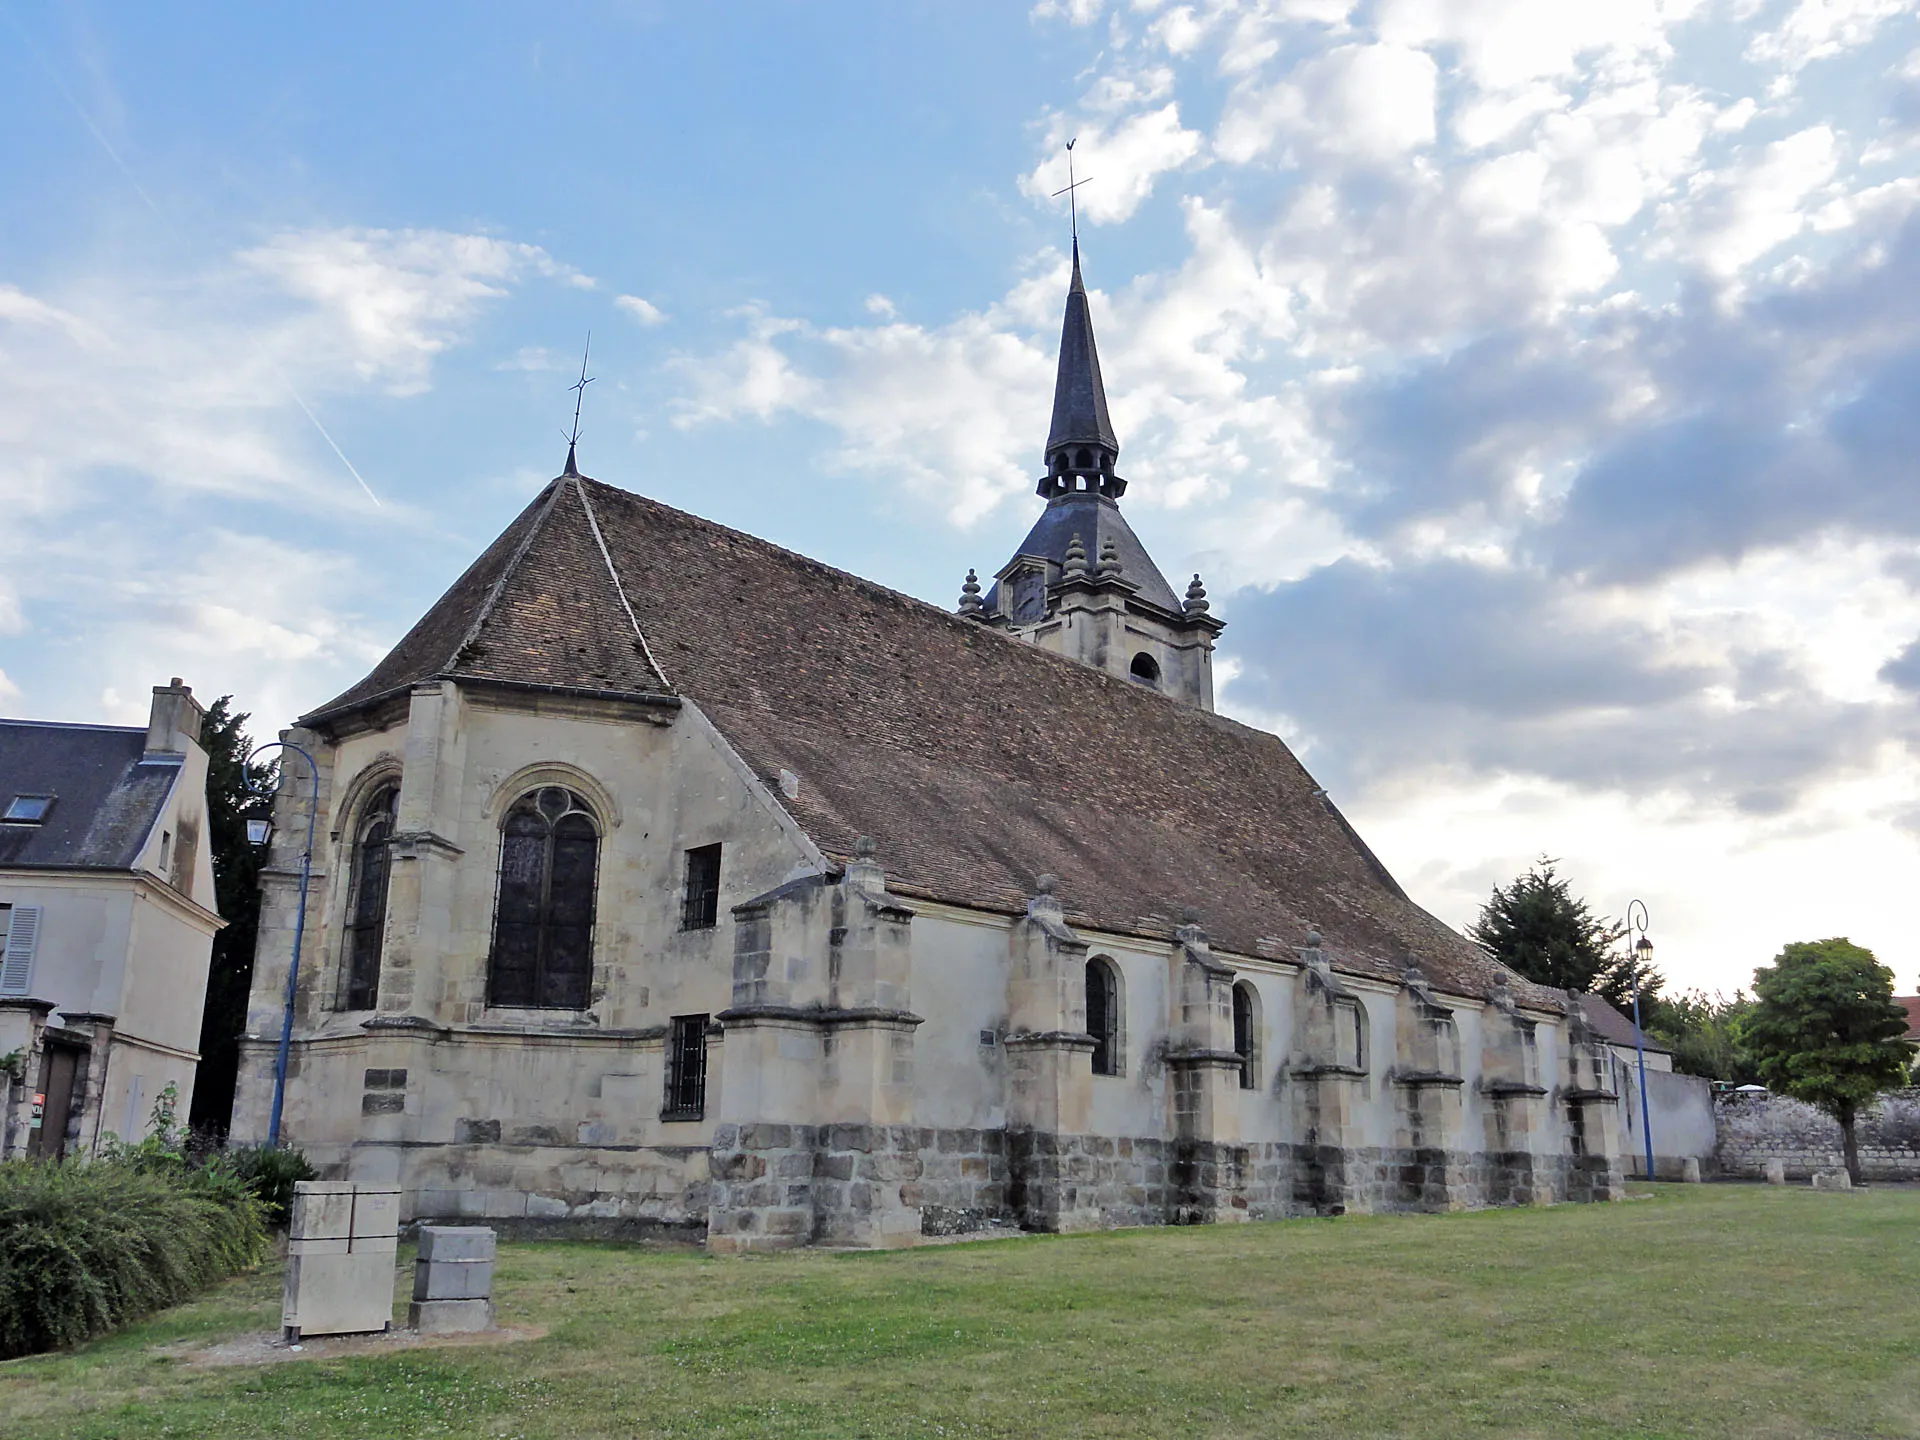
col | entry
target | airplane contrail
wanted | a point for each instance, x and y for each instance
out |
(168, 226)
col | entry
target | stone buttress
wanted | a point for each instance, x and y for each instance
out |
(816, 1141)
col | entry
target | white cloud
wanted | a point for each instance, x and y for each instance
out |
(645, 311)
(1373, 102)
(9, 692)
(391, 300)
(1074, 12)
(1122, 162)
(1504, 44)
(941, 409)
(175, 419)
(1735, 216)
(1818, 29)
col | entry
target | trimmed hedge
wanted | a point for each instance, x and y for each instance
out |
(87, 1247)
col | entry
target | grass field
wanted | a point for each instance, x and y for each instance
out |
(1705, 1310)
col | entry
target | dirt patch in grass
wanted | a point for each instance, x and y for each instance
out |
(269, 1347)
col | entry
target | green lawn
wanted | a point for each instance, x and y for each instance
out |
(1707, 1310)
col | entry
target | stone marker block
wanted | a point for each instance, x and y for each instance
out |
(452, 1279)
(319, 1245)
(376, 1214)
(1690, 1169)
(1776, 1172)
(1832, 1180)
(322, 1210)
(456, 1242)
(450, 1317)
(338, 1294)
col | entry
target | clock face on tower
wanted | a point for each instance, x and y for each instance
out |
(1029, 597)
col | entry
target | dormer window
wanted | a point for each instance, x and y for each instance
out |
(27, 809)
(1146, 670)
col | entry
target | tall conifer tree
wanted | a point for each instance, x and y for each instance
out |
(236, 792)
(1538, 928)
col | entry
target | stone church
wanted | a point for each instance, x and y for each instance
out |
(666, 876)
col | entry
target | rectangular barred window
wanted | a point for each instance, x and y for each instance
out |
(700, 907)
(686, 1097)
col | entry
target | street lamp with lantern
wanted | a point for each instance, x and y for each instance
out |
(1642, 951)
(258, 833)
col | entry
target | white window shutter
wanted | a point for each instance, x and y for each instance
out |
(16, 961)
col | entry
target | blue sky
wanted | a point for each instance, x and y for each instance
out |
(1533, 380)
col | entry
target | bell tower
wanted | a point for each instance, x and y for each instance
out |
(1081, 584)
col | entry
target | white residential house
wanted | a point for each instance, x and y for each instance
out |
(107, 913)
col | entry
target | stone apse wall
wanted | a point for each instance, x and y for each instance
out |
(1753, 1129)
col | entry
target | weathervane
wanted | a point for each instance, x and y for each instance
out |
(1073, 208)
(579, 387)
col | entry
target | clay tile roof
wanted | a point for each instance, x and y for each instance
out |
(1911, 1004)
(1614, 1024)
(976, 761)
(538, 608)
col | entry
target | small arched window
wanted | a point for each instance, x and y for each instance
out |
(1146, 670)
(1246, 1033)
(366, 926)
(543, 919)
(1350, 1034)
(1103, 1015)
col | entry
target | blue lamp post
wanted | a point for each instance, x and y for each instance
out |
(258, 832)
(1642, 958)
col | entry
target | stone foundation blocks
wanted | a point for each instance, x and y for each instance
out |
(453, 1280)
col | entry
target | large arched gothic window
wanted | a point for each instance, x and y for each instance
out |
(543, 919)
(367, 901)
(1104, 1011)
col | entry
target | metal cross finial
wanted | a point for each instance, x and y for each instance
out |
(1073, 208)
(579, 387)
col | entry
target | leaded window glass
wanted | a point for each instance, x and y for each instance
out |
(543, 917)
(367, 901)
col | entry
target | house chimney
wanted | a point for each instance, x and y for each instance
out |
(175, 722)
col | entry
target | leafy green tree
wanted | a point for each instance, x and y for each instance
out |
(1824, 1029)
(1703, 1033)
(236, 793)
(1538, 928)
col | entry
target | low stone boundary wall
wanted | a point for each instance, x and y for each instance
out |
(1753, 1129)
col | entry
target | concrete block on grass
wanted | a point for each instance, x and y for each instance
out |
(452, 1279)
(457, 1242)
(450, 1317)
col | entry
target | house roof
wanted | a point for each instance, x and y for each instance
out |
(1614, 1025)
(106, 794)
(977, 761)
(1911, 1004)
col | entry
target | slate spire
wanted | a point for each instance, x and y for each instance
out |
(1081, 445)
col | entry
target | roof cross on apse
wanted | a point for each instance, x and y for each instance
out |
(579, 387)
